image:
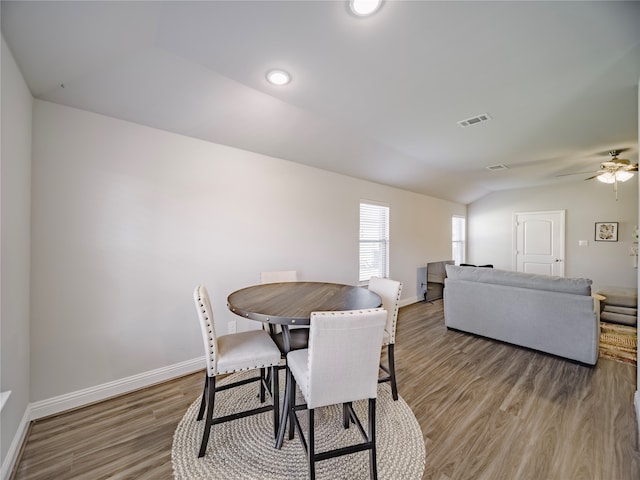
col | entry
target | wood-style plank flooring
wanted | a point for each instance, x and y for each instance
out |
(487, 411)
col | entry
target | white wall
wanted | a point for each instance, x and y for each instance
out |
(128, 219)
(490, 228)
(637, 395)
(15, 205)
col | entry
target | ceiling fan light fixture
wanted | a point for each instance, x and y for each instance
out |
(606, 177)
(623, 176)
(611, 177)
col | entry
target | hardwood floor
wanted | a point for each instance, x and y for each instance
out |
(487, 411)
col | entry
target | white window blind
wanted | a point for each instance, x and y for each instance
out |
(374, 241)
(458, 235)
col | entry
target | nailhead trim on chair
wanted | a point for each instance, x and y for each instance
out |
(212, 360)
(252, 347)
(392, 336)
(222, 372)
(394, 312)
(343, 313)
(212, 372)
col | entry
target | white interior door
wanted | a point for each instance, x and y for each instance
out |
(539, 242)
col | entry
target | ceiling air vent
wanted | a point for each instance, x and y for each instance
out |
(474, 120)
(499, 166)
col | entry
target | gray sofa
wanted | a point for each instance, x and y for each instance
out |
(555, 315)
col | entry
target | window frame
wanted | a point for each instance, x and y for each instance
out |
(462, 244)
(383, 241)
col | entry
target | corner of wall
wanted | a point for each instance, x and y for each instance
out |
(10, 459)
(15, 217)
(637, 397)
(637, 403)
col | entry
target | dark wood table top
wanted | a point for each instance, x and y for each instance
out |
(291, 303)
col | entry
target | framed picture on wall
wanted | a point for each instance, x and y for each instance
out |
(606, 231)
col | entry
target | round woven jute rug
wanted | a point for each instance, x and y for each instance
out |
(244, 449)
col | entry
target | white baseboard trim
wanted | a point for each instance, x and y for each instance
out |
(411, 301)
(407, 301)
(61, 403)
(16, 445)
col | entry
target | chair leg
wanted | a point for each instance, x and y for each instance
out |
(346, 415)
(211, 391)
(268, 378)
(373, 466)
(275, 397)
(285, 409)
(311, 445)
(292, 403)
(203, 402)
(262, 390)
(392, 371)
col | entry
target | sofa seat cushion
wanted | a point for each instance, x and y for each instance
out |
(576, 286)
(620, 318)
(621, 310)
(620, 296)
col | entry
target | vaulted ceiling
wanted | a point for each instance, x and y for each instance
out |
(376, 98)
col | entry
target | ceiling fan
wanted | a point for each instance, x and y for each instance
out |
(613, 171)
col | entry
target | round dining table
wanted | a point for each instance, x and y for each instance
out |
(291, 304)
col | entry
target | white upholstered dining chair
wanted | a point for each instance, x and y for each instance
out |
(389, 291)
(236, 352)
(340, 366)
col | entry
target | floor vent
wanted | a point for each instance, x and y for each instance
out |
(474, 120)
(499, 166)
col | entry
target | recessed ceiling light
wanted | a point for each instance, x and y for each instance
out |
(278, 77)
(362, 8)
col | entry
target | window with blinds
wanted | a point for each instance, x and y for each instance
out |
(458, 235)
(374, 241)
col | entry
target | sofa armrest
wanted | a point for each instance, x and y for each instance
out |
(597, 307)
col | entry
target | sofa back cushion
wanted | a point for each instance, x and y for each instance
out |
(576, 286)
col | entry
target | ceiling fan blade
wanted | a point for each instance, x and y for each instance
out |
(605, 153)
(632, 168)
(620, 151)
(576, 173)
